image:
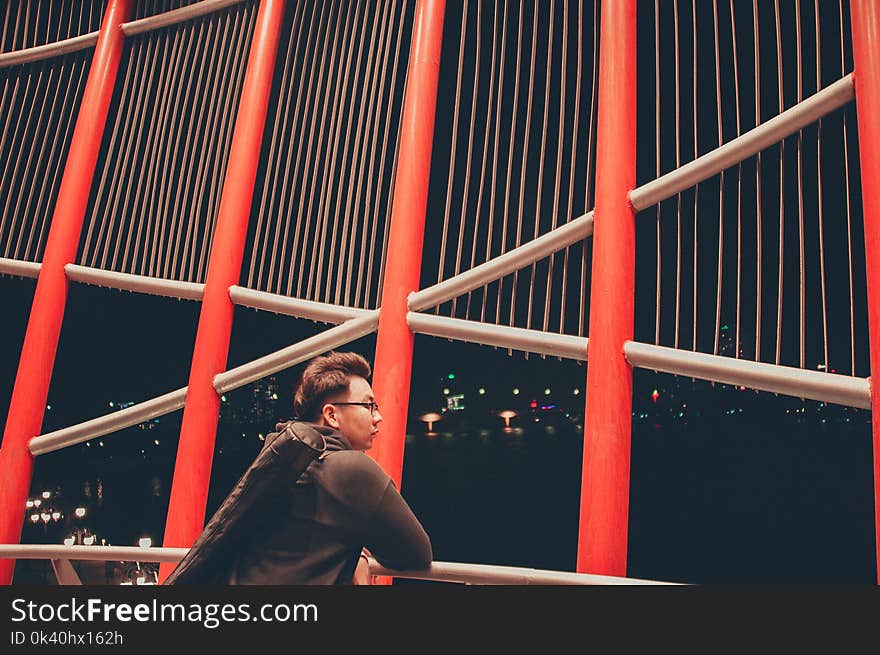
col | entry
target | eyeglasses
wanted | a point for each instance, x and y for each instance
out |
(371, 405)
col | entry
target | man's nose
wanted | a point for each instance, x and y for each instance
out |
(376, 417)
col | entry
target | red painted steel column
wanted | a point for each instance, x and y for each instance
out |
(31, 389)
(195, 452)
(866, 59)
(394, 342)
(604, 507)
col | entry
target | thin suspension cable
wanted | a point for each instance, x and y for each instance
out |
(182, 146)
(781, 189)
(26, 173)
(571, 171)
(269, 191)
(330, 160)
(852, 323)
(721, 183)
(147, 72)
(39, 168)
(478, 212)
(733, 54)
(539, 197)
(300, 140)
(169, 157)
(819, 191)
(452, 158)
(49, 194)
(309, 172)
(800, 175)
(351, 225)
(313, 184)
(657, 161)
(697, 186)
(381, 176)
(591, 139)
(339, 111)
(525, 155)
(470, 151)
(759, 289)
(359, 225)
(206, 212)
(498, 110)
(184, 208)
(510, 150)
(17, 145)
(678, 253)
(559, 146)
(221, 160)
(171, 91)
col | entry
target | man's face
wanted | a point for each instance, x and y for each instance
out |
(357, 423)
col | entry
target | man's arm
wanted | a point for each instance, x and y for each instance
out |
(394, 535)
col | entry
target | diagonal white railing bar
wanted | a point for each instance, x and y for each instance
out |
(511, 261)
(48, 50)
(136, 283)
(65, 573)
(751, 143)
(299, 352)
(480, 574)
(489, 574)
(108, 423)
(273, 302)
(20, 268)
(175, 16)
(533, 341)
(788, 380)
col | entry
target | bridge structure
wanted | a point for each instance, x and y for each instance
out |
(485, 172)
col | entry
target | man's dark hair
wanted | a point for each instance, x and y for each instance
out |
(323, 377)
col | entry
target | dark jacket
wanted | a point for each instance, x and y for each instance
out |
(309, 524)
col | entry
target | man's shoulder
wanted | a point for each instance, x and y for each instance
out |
(353, 464)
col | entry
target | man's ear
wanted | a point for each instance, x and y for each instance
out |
(328, 414)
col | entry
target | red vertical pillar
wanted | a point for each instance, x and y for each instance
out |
(31, 389)
(192, 468)
(866, 58)
(602, 532)
(394, 342)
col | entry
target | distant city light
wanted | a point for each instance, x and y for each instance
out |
(156, 442)
(516, 392)
(56, 516)
(507, 414)
(576, 391)
(48, 406)
(446, 391)
(101, 443)
(430, 418)
(29, 504)
(223, 398)
(274, 396)
(547, 392)
(481, 391)
(451, 376)
(88, 541)
(655, 395)
(110, 403)
(47, 494)
(145, 542)
(35, 518)
(80, 512)
(69, 541)
(38, 502)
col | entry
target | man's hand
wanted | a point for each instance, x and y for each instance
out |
(362, 571)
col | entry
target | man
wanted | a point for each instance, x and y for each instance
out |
(283, 525)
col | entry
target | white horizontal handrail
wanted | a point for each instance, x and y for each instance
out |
(299, 352)
(752, 142)
(48, 50)
(20, 267)
(108, 423)
(175, 16)
(273, 302)
(533, 341)
(801, 383)
(136, 283)
(495, 269)
(481, 574)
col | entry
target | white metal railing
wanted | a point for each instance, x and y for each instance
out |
(478, 574)
(20, 267)
(135, 283)
(175, 16)
(751, 143)
(273, 302)
(49, 50)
